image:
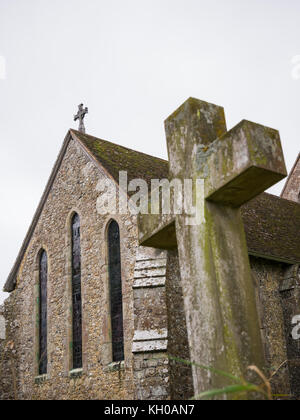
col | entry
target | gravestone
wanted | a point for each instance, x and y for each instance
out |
(218, 289)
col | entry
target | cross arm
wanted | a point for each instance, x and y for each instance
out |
(157, 231)
(243, 163)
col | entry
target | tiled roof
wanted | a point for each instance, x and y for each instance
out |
(272, 227)
(117, 158)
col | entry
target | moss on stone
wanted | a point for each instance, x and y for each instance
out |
(116, 158)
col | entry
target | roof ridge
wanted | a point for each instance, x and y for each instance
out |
(116, 144)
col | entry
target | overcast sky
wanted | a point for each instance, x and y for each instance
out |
(133, 62)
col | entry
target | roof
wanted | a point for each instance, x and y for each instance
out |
(117, 158)
(272, 227)
(113, 158)
(272, 224)
(290, 176)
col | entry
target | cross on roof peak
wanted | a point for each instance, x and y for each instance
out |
(80, 116)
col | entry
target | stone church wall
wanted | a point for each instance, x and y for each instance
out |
(181, 380)
(292, 190)
(160, 328)
(290, 296)
(74, 190)
(275, 326)
(154, 318)
(2, 324)
(150, 341)
(268, 276)
(276, 310)
(8, 353)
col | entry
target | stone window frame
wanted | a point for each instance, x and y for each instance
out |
(68, 354)
(108, 356)
(36, 313)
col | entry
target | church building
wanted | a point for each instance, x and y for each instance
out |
(94, 314)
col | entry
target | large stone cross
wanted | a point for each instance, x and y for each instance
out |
(218, 288)
(80, 116)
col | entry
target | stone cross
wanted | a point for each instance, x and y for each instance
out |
(80, 116)
(218, 288)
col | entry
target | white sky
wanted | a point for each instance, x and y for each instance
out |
(133, 62)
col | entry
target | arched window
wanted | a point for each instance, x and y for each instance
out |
(76, 293)
(115, 286)
(43, 277)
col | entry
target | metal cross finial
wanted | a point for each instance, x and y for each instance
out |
(80, 116)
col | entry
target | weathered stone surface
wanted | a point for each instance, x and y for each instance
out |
(290, 295)
(158, 301)
(150, 341)
(74, 189)
(268, 277)
(8, 353)
(149, 282)
(149, 346)
(243, 163)
(218, 290)
(151, 335)
(151, 375)
(181, 380)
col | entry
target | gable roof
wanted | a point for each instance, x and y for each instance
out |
(272, 224)
(272, 227)
(110, 156)
(117, 158)
(290, 176)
